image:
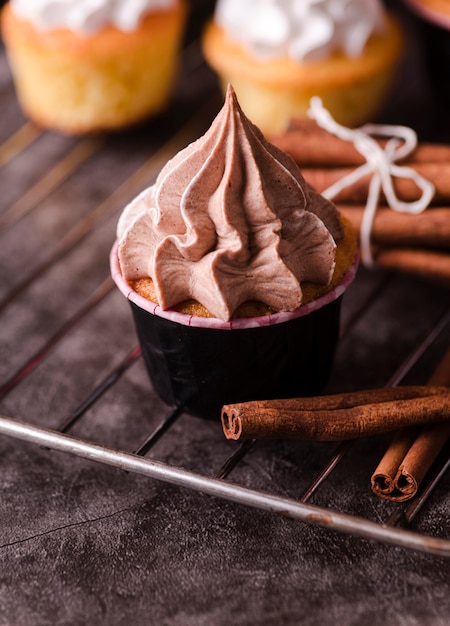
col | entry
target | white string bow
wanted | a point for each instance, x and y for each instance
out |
(380, 163)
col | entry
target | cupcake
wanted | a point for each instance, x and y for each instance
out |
(434, 19)
(234, 268)
(81, 66)
(278, 55)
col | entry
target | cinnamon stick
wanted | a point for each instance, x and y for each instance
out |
(341, 416)
(430, 229)
(383, 479)
(431, 265)
(405, 189)
(311, 146)
(411, 453)
(418, 460)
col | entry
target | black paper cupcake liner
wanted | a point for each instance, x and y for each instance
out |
(200, 364)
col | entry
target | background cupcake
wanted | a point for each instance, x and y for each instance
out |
(81, 66)
(234, 268)
(279, 54)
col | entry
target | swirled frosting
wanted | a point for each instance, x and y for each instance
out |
(87, 16)
(229, 219)
(305, 30)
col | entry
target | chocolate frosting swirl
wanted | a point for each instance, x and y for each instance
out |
(229, 219)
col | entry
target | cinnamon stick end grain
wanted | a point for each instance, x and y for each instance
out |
(231, 423)
(406, 483)
(382, 484)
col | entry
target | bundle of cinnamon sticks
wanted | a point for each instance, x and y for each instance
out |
(417, 244)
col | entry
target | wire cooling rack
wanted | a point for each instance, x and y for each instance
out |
(398, 527)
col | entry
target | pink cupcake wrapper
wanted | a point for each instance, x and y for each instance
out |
(233, 324)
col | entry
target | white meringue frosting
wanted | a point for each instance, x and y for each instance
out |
(87, 16)
(305, 30)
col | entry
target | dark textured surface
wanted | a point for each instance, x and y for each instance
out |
(82, 543)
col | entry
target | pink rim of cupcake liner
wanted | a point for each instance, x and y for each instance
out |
(233, 324)
(429, 14)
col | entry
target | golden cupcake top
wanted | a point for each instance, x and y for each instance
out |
(230, 219)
